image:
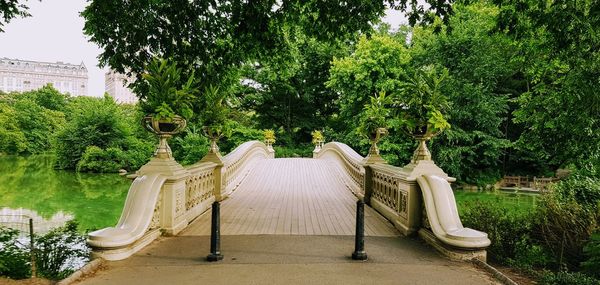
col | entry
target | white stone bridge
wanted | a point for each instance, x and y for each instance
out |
(315, 196)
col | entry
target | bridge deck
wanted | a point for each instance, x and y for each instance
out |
(292, 196)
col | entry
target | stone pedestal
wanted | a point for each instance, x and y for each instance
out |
(271, 151)
(172, 209)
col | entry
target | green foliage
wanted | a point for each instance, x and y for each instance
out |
(560, 105)
(189, 147)
(269, 136)
(12, 139)
(377, 65)
(10, 9)
(374, 116)
(419, 103)
(48, 97)
(214, 116)
(163, 91)
(288, 90)
(95, 159)
(216, 37)
(239, 134)
(38, 124)
(566, 278)
(483, 74)
(103, 124)
(317, 137)
(592, 253)
(57, 251)
(568, 216)
(31, 119)
(509, 231)
(14, 257)
(302, 150)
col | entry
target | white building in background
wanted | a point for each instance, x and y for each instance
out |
(115, 84)
(25, 75)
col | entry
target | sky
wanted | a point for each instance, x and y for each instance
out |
(54, 33)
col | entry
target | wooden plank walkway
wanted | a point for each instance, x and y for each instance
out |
(292, 196)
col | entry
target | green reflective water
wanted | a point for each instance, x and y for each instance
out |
(94, 200)
(518, 202)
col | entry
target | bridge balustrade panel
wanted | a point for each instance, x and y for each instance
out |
(390, 191)
(348, 162)
(238, 163)
(388, 188)
(199, 189)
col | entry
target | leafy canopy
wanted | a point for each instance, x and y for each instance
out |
(163, 92)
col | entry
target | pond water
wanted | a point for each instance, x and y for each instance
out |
(29, 186)
(518, 202)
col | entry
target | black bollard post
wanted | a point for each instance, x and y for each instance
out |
(359, 240)
(32, 249)
(215, 234)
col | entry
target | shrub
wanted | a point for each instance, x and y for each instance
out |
(568, 216)
(59, 251)
(237, 135)
(95, 159)
(91, 121)
(299, 151)
(509, 232)
(14, 258)
(592, 252)
(190, 147)
(566, 278)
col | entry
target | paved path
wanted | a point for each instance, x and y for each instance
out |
(292, 196)
(289, 260)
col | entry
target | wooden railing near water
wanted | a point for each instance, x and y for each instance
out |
(536, 184)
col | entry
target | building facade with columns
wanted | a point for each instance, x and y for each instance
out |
(24, 75)
(115, 84)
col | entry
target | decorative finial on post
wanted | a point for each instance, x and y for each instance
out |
(317, 140)
(374, 156)
(422, 152)
(269, 137)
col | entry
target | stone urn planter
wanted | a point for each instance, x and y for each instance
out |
(212, 133)
(374, 137)
(164, 129)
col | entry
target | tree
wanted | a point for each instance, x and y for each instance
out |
(48, 97)
(38, 124)
(378, 64)
(99, 122)
(287, 92)
(212, 36)
(10, 9)
(560, 107)
(484, 70)
(215, 37)
(12, 139)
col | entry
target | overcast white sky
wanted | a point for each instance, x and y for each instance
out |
(55, 33)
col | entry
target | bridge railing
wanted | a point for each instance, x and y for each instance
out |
(165, 197)
(347, 161)
(237, 163)
(415, 198)
(392, 192)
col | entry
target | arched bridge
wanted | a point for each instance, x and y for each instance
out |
(292, 196)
